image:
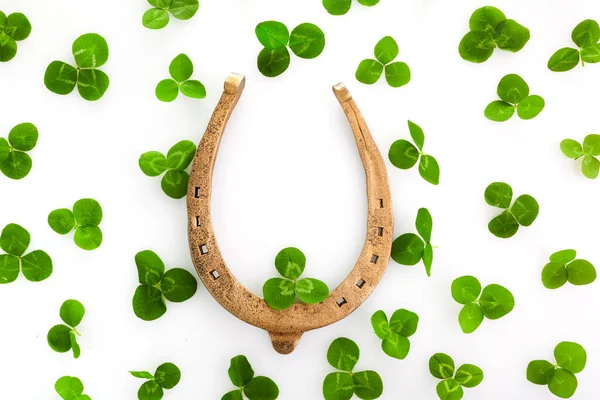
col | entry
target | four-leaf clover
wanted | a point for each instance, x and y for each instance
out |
(14, 28)
(15, 163)
(442, 367)
(36, 265)
(514, 94)
(181, 70)
(253, 387)
(590, 166)
(70, 388)
(158, 16)
(167, 376)
(341, 7)
(395, 333)
(397, 74)
(62, 338)
(523, 212)
(84, 219)
(409, 249)
(563, 268)
(586, 36)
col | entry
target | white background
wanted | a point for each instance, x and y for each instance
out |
(289, 174)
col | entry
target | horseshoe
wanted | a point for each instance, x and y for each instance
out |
(286, 327)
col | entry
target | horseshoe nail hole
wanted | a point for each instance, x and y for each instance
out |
(215, 275)
(380, 203)
(360, 283)
(374, 259)
(379, 231)
(197, 192)
(341, 302)
(203, 249)
(198, 221)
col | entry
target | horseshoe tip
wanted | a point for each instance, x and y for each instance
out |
(342, 93)
(235, 83)
(285, 343)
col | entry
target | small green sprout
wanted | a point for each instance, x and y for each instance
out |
(253, 387)
(167, 376)
(14, 28)
(409, 249)
(158, 16)
(563, 268)
(586, 36)
(280, 293)
(70, 388)
(397, 74)
(343, 354)
(523, 212)
(489, 28)
(181, 70)
(341, 7)
(156, 285)
(404, 155)
(495, 302)
(36, 266)
(84, 219)
(90, 52)
(15, 163)
(306, 41)
(590, 166)
(442, 367)
(514, 94)
(560, 377)
(175, 182)
(62, 338)
(395, 333)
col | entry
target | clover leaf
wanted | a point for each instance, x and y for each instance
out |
(175, 182)
(341, 7)
(395, 334)
(62, 338)
(306, 41)
(441, 366)
(90, 52)
(167, 376)
(570, 358)
(494, 303)
(70, 388)
(409, 249)
(14, 28)
(280, 293)
(589, 150)
(84, 220)
(514, 94)
(563, 268)
(253, 387)
(489, 28)
(523, 212)
(176, 285)
(397, 74)
(586, 36)
(36, 266)
(15, 163)
(158, 16)
(181, 70)
(343, 355)
(404, 155)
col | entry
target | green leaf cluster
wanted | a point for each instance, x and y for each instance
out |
(523, 212)
(15, 163)
(84, 219)
(409, 249)
(158, 16)
(514, 94)
(395, 333)
(489, 28)
(404, 155)
(397, 74)
(254, 387)
(14, 28)
(560, 378)
(494, 303)
(306, 41)
(36, 266)
(70, 388)
(62, 338)
(453, 381)
(563, 268)
(181, 70)
(175, 182)
(341, 7)
(586, 36)
(280, 293)
(156, 285)
(90, 52)
(167, 376)
(343, 354)
(590, 166)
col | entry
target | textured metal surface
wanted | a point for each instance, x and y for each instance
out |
(287, 326)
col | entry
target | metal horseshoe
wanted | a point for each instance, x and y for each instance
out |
(286, 327)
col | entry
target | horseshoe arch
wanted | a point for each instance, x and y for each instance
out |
(286, 327)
